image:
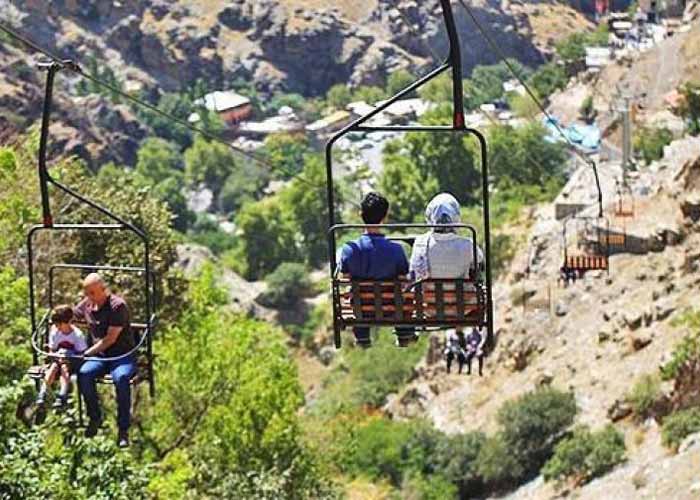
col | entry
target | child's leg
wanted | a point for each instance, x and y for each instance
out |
(481, 366)
(470, 356)
(450, 356)
(49, 378)
(65, 379)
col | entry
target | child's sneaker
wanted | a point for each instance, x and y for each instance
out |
(60, 402)
(40, 399)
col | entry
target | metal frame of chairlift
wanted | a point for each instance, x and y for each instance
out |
(602, 243)
(40, 326)
(454, 63)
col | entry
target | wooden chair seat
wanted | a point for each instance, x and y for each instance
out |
(429, 303)
(587, 263)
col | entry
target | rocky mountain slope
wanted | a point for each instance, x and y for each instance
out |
(595, 337)
(294, 45)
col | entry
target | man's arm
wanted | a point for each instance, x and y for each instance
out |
(105, 342)
(118, 323)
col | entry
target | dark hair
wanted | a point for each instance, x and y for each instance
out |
(62, 314)
(374, 208)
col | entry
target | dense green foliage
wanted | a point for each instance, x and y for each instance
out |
(287, 285)
(531, 426)
(366, 378)
(547, 79)
(677, 426)
(585, 455)
(289, 226)
(225, 423)
(649, 142)
(14, 357)
(573, 48)
(104, 73)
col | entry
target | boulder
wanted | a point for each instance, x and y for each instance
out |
(690, 207)
(326, 355)
(633, 319)
(125, 36)
(619, 410)
(689, 443)
(640, 340)
(663, 309)
(543, 379)
(561, 309)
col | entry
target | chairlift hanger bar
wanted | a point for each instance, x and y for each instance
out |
(453, 62)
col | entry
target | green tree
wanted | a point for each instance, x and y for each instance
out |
(369, 94)
(306, 203)
(437, 90)
(229, 394)
(339, 96)
(398, 80)
(209, 164)
(267, 237)
(287, 285)
(14, 335)
(486, 82)
(548, 78)
(585, 455)
(645, 393)
(178, 105)
(286, 153)
(649, 142)
(533, 423)
(402, 183)
(451, 159)
(159, 165)
(523, 155)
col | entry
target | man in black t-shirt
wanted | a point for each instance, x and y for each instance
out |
(109, 325)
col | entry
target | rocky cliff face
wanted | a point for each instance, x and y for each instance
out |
(282, 44)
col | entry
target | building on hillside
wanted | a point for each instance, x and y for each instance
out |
(329, 124)
(286, 121)
(231, 107)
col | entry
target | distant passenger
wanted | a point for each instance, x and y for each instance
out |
(475, 349)
(372, 256)
(441, 253)
(454, 348)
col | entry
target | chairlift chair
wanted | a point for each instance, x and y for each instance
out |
(587, 246)
(430, 303)
(143, 327)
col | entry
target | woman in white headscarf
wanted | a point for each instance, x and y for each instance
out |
(442, 253)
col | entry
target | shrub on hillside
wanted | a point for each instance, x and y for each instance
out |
(497, 466)
(690, 107)
(644, 395)
(585, 455)
(532, 424)
(286, 285)
(649, 142)
(679, 425)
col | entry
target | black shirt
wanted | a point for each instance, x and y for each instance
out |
(114, 312)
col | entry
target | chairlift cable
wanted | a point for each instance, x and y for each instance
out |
(497, 49)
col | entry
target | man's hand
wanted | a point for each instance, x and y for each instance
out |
(106, 342)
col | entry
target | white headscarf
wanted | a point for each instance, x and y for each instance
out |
(443, 209)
